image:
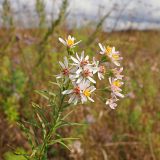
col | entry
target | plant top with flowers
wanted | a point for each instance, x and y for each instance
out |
(76, 84)
(80, 71)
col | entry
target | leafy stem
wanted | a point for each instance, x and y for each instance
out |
(54, 124)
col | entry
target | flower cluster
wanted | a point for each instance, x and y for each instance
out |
(116, 79)
(78, 71)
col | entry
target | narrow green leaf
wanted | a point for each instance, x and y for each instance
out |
(52, 94)
(27, 133)
(63, 144)
(62, 124)
(43, 94)
(43, 126)
(54, 83)
(67, 115)
(31, 123)
(61, 139)
(40, 111)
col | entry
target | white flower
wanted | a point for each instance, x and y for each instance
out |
(100, 69)
(75, 94)
(111, 53)
(86, 91)
(101, 72)
(85, 70)
(115, 57)
(65, 69)
(115, 87)
(69, 42)
(105, 50)
(86, 74)
(112, 102)
(117, 72)
(80, 62)
(80, 92)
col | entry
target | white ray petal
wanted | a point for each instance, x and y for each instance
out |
(91, 79)
(62, 41)
(78, 57)
(90, 99)
(74, 59)
(119, 94)
(72, 98)
(79, 71)
(66, 62)
(87, 57)
(101, 52)
(62, 65)
(110, 80)
(67, 91)
(92, 89)
(79, 80)
(101, 47)
(82, 55)
(77, 42)
(116, 63)
(83, 99)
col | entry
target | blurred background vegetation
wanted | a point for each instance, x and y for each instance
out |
(28, 60)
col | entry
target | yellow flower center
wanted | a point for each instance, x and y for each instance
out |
(87, 93)
(70, 42)
(115, 56)
(117, 83)
(108, 50)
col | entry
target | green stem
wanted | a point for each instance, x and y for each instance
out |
(53, 129)
(70, 51)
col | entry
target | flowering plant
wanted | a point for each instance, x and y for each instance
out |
(76, 83)
(80, 72)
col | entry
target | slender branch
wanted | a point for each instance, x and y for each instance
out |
(50, 32)
(120, 14)
(99, 25)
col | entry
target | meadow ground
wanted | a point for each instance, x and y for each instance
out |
(131, 132)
